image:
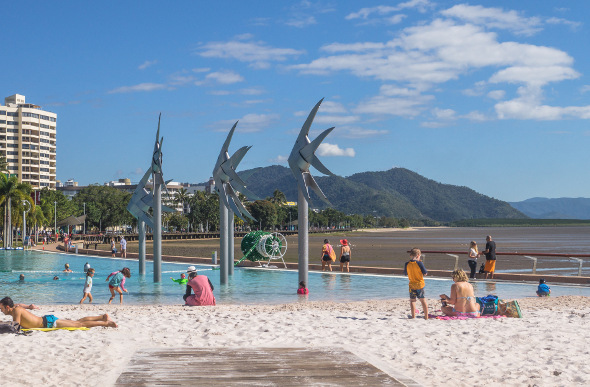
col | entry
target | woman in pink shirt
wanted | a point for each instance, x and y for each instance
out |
(203, 289)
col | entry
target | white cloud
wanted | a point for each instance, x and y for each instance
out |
(426, 55)
(147, 64)
(534, 75)
(249, 122)
(280, 159)
(528, 106)
(333, 120)
(326, 149)
(384, 105)
(557, 20)
(585, 89)
(332, 107)
(382, 10)
(495, 18)
(497, 94)
(257, 54)
(443, 114)
(201, 70)
(225, 77)
(301, 22)
(475, 116)
(139, 88)
(359, 132)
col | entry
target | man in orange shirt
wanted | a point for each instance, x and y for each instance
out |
(416, 271)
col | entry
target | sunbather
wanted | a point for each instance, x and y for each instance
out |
(462, 297)
(28, 320)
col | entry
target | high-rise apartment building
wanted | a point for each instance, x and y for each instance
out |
(27, 140)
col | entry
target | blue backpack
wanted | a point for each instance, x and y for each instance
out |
(488, 305)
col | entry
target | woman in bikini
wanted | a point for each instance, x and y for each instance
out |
(462, 297)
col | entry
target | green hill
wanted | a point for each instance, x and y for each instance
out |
(397, 192)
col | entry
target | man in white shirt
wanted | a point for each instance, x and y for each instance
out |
(123, 247)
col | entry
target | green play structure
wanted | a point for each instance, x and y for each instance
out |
(262, 245)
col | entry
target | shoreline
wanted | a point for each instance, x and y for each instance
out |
(435, 352)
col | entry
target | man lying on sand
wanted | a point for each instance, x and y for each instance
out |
(28, 320)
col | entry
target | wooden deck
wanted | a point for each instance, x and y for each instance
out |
(252, 367)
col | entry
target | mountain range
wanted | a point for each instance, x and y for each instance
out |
(558, 208)
(398, 193)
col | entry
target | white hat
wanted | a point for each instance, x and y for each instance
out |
(191, 269)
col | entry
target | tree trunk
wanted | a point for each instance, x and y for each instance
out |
(9, 222)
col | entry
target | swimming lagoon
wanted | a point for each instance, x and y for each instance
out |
(246, 286)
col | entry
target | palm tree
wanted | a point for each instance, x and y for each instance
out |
(181, 197)
(3, 165)
(12, 191)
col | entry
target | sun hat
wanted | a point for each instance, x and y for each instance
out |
(191, 269)
(344, 242)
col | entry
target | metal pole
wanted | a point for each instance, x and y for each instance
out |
(534, 263)
(24, 227)
(84, 219)
(580, 262)
(141, 240)
(230, 242)
(456, 260)
(302, 236)
(55, 219)
(157, 231)
(223, 259)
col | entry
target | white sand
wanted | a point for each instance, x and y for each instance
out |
(548, 347)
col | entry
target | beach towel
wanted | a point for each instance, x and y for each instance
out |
(56, 329)
(461, 317)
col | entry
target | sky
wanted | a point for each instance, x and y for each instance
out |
(494, 96)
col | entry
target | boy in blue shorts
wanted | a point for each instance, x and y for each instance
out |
(416, 271)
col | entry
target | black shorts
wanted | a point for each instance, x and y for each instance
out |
(416, 293)
(345, 258)
(326, 258)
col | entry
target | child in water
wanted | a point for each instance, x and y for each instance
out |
(118, 283)
(543, 290)
(302, 289)
(88, 286)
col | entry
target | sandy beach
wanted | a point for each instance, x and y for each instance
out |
(547, 347)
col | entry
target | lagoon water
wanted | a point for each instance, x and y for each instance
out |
(246, 286)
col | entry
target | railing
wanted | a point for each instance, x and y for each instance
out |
(528, 255)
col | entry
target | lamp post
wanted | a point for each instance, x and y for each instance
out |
(84, 218)
(55, 219)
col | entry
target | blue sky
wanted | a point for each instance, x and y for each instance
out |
(494, 96)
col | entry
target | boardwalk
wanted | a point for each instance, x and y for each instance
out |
(253, 367)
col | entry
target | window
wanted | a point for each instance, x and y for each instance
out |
(12, 130)
(44, 162)
(12, 153)
(44, 184)
(12, 145)
(44, 133)
(45, 127)
(46, 148)
(12, 138)
(45, 141)
(2, 112)
(12, 114)
(32, 115)
(12, 161)
(2, 121)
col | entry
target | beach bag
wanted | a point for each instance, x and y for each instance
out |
(482, 268)
(488, 305)
(509, 309)
(11, 327)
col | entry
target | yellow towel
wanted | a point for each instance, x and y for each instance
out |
(55, 329)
